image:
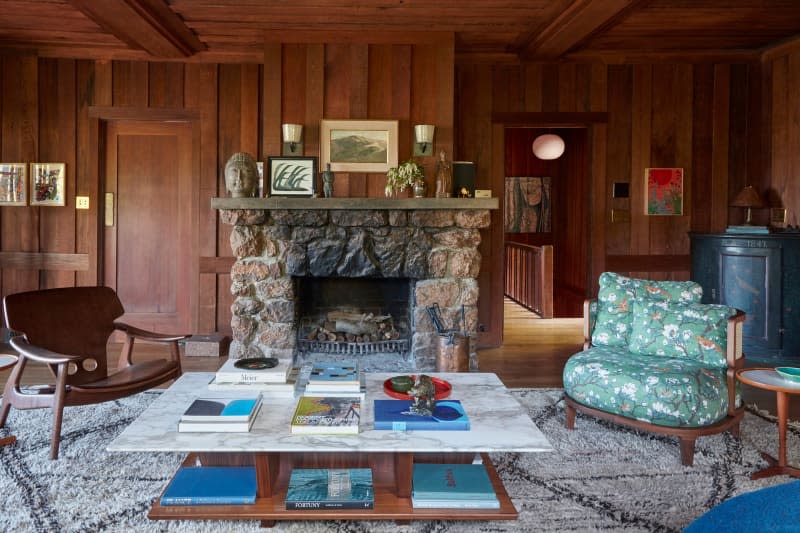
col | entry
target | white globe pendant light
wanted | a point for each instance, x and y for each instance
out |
(548, 146)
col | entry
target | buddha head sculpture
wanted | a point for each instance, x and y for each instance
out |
(241, 175)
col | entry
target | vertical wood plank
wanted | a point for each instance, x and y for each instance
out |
(271, 102)
(359, 106)
(640, 156)
(165, 82)
(315, 97)
(719, 157)
(618, 168)
(130, 83)
(702, 138)
(533, 87)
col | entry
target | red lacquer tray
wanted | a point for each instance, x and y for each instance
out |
(443, 389)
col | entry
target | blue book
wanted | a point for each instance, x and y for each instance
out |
(443, 482)
(343, 373)
(239, 409)
(395, 415)
(330, 488)
(211, 485)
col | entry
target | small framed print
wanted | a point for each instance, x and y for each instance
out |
(13, 184)
(777, 217)
(664, 188)
(292, 176)
(47, 183)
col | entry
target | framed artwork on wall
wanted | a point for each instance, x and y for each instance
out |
(292, 176)
(13, 184)
(527, 205)
(664, 187)
(47, 183)
(358, 145)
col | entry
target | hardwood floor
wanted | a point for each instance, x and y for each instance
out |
(533, 355)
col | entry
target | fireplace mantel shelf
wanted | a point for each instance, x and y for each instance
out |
(355, 203)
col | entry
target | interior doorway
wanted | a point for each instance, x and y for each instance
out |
(149, 235)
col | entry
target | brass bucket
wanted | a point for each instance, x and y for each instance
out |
(453, 354)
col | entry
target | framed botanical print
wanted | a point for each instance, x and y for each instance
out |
(13, 184)
(358, 145)
(47, 183)
(664, 187)
(292, 176)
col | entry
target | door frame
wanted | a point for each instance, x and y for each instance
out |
(100, 117)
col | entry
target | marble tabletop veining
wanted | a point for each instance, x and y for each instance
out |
(498, 423)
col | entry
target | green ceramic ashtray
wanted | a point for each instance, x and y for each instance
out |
(402, 383)
(789, 372)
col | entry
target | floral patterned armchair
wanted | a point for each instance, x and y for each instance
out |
(656, 359)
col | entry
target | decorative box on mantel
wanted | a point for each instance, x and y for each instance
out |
(280, 243)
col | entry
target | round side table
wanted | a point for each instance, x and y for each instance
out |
(6, 362)
(768, 379)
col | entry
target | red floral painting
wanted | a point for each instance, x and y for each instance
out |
(664, 191)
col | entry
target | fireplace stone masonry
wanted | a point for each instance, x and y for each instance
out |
(436, 248)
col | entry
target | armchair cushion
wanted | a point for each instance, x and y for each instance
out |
(695, 331)
(666, 391)
(615, 303)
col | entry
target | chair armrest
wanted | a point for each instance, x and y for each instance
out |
(147, 335)
(42, 355)
(734, 357)
(589, 319)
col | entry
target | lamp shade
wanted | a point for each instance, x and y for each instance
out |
(748, 197)
(548, 146)
(423, 133)
(292, 133)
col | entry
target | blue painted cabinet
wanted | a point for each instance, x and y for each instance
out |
(759, 274)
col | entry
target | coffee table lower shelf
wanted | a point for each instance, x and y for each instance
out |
(388, 505)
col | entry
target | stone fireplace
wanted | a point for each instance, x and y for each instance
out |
(288, 250)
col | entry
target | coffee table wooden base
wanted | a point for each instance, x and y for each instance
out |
(391, 479)
(775, 468)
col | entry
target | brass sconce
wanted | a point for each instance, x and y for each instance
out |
(423, 135)
(292, 139)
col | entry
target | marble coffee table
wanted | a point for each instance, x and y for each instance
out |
(498, 424)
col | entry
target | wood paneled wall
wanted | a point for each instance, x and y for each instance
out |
(46, 110)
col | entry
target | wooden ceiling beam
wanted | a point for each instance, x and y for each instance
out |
(148, 25)
(784, 47)
(572, 25)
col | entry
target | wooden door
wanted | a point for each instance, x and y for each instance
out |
(149, 233)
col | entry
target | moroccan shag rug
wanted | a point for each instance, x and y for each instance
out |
(601, 477)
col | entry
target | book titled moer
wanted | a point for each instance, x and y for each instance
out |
(330, 488)
(211, 485)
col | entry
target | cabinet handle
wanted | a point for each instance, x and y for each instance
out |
(714, 294)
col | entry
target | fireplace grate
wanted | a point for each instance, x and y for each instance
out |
(353, 348)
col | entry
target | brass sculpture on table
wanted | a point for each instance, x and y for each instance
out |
(423, 395)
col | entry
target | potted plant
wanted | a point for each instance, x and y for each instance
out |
(406, 174)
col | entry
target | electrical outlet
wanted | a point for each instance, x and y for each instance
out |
(81, 202)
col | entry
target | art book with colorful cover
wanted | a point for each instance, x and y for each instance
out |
(233, 409)
(448, 415)
(342, 374)
(330, 488)
(443, 482)
(327, 414)
(211, 485)
(229, 373)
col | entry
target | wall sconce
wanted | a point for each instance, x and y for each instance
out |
(548, 146)
(292, 139)
(423, 134)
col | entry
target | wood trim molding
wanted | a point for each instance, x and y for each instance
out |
(216, 265)
(359, 37)
(44, 261)
(142, 113)
(549, 119)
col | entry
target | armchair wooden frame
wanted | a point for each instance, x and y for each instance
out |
(68, 329)
(686, 436)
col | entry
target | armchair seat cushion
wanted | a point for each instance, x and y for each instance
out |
(132, 377)
(665, 391)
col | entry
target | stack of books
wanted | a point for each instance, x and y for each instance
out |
(330, 488)
(211, 485)
(327, 415)
(277, 382)
(453, 486)
(396, 415)
(221, 414)
(334, 379)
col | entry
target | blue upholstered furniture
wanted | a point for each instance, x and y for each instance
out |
(655, 358)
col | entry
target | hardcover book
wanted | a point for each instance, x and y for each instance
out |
(188, 426)
(288, 389)
(330, 488)
(228, 373)
(334, 374)
(327, 414)
(443, 482)
(211, 485)
(396, 415)
(239, 409)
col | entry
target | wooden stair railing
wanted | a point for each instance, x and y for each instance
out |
(529, 277)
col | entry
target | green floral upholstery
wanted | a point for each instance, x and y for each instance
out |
(695, 331)
(666, 391)
(615, 303)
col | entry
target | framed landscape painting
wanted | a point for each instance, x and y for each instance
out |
(13, 184)
(664, 188)
(358, 145)
(292, 176)
(47, 183)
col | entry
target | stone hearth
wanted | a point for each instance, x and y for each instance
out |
(436, 248)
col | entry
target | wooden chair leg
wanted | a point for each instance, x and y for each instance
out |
(570, 421)
(687, 451)
(735, 430)
(58, 410)
(4, 410)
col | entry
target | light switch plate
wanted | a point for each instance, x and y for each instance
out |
(81, 202)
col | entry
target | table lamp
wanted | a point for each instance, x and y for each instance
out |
(748, 198)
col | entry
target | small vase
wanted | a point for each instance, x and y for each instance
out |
(420, 189)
